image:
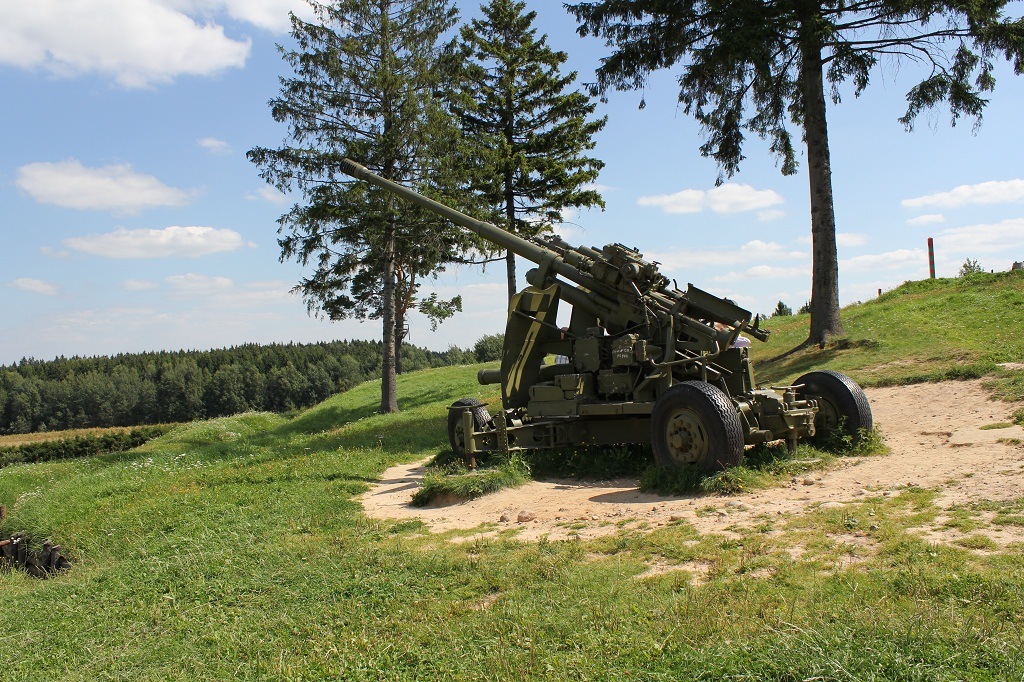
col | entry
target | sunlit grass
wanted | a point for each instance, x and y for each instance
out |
(235, 549)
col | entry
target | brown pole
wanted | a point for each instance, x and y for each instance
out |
(931, 257)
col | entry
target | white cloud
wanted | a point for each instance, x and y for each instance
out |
(727, 198)
(116, 188)
(195, 283)
(267, 14)
(214, 146)
(35, 286)
(975, 239)
(994, 192)
(891, 260)
(733, 198)
(148, 243)
(927, 219)
(752, 250)
(54, 253)
(851, 239)
(139, 43)
(685, 201)
(770, 214)
(224, 294)
(764, 272)
(271, 194)
(138, 285)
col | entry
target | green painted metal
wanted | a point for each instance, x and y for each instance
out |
(633, 335)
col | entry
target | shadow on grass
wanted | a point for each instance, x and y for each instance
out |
(332, 416)
(807, 357)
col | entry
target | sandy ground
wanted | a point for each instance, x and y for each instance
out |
(933, 430)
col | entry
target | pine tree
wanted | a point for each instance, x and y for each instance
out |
(365, 85)
(529, 131)
(775, 58)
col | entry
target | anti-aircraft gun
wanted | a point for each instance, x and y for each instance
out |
(640, 362)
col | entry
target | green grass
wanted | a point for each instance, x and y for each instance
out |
(921, 331)
(455, 482)
(235, 549)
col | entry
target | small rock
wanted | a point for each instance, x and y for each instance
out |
(721, 514)
(505, 518)
(525, 515)
(808, 481)
(595, 517)
(887, 493)
(676, 517)
(873, 526)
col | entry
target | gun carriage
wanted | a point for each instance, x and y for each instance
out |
(641, 361)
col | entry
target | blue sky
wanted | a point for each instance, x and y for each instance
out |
(132, 221)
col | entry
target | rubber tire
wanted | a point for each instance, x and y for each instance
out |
(481, 418)
(708, 411)
(842, 398)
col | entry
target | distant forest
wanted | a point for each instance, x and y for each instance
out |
(163, 387)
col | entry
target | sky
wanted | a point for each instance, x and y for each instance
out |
(131, 220)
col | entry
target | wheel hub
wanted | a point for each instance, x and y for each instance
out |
(686, 437)
(828, 416)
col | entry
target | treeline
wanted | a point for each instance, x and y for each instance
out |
(164, 387)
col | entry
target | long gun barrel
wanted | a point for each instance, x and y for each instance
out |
(617, 285)
(529, 250)
(492, 233)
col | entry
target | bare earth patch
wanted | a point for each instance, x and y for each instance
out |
(933, 430)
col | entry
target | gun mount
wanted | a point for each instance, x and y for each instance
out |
(641, 361)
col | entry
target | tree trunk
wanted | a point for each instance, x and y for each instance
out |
(825, 321)
(510, 269)
(388, 392)
(510, 222)
(399, 336)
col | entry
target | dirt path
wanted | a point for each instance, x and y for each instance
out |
(933, 430)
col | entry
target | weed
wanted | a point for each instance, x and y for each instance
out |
(455, 482)
(977, 541)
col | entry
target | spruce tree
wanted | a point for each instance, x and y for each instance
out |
(529, 130)
(365, 86)
(751, 66)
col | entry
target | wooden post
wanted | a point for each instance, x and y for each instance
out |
(931, 257)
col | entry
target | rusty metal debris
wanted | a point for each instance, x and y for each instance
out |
(15, 551)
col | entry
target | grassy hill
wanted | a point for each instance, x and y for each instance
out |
(921, 331)
(234, 549)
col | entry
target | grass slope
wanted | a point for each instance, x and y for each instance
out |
(234, 549)
(921, 331)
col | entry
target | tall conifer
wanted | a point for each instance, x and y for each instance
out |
(366, 75)
(528, 129)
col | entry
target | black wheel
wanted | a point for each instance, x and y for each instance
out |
(456, 434)
(696, 423)
(840, 401)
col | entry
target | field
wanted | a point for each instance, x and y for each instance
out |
(43, 436)
(239, 549)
